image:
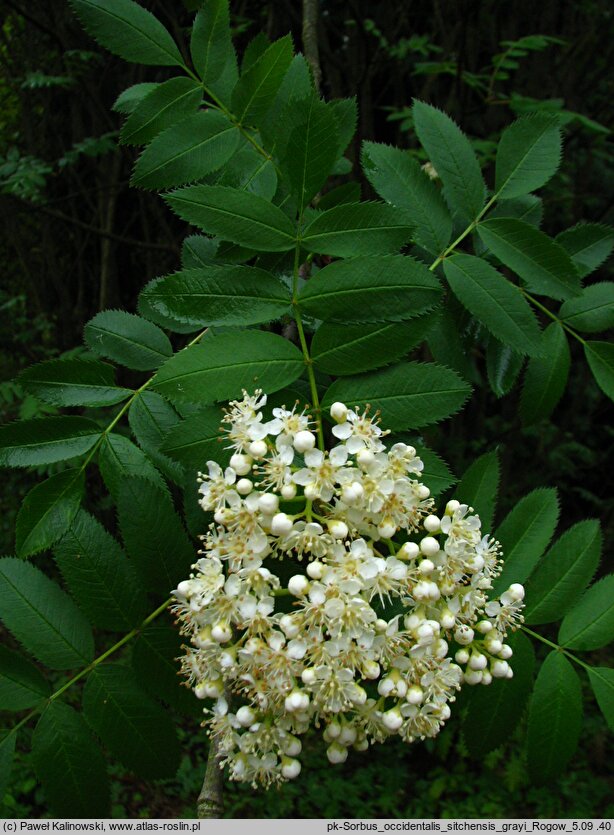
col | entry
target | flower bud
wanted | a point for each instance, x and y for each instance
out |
(348, 735)
(221, 632)
(516, 592)
(339, 412)
(386, 530)
(408, 551)
(308, 676)
(432, 523)
(288, 491)
(289, 625)
(426, 566)
(245, 716)
(365, 458)
(446, 619)
(392, 719)
(336, 753)
(268, 503)
(464, 635)
(297, 700)
(429, 546)
(337, 528)
(452, 507)
(462, 656)
(484, 627)
(472, 677)
(423, 492)
(499, 669)
(292, 746)
(304, 440)
(258, 449)
(290, 768)
(371, 670)
(241, 464)
(281, 524)
(298, 585)
(505, 652)
(244, 486)
(478, 661)
(415, 695)
(352, 493)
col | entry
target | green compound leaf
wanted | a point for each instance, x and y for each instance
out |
(235, 215)
(43, 617)
(410, 395)
(47, 511)
(602, 682)
(195, 146)
(398, 179)
(256, 89)
(73, 382)
(154, 537)
(524, 535)
(494, 302)
(28, 443)
(211, 45)
(69, 764)
(451, 153)
(128, 101)
(358, 229)
(162, 107)
(593, 311)
(496, 708)
(21, 684)
(151, 418)
(119, 458)
(386, 288)
(130, 724)
(127, 339)
(224, 295)
(563, 574)
(590, 624)
(308, 150)
(99, 576)
(128, 30)
(479, 487)
(555, 719)
(343, 350)
(155, 657)
(600, 357)
(588, 244)
(196, 440)
(546, 376)
(528, 155)
(221, 367)
(7, 752)
(543, 265)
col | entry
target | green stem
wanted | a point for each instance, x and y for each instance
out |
(86, 670)
(551, 315)
(556, 647)
(463, 235)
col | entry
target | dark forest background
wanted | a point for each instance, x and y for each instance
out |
(76, 239)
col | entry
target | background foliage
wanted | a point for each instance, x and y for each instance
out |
(80, 240)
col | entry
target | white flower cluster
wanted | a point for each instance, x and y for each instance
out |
(374, 635)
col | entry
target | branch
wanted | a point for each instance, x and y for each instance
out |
(310, 39)
(211, 797)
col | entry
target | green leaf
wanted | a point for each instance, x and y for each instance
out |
(73, 382)
(99, 576)
(410, 395)
(451, 153)
(593, 311)
(195, 146)
(47, 511)
(198, 251)
(398, 179)
(555, 719)
(528, 208)
(345, 112)
(590, 624)
(447, 343)
(162, 107)
(197, 439)
(524, 535)
(588, 244)
(153, 535)
(546, 376)
(528, 155)
(146, 309)
(309, 147)
(602, 682)
(542, 264)
(7, 752)
(249, 171)
(151, 418)
(436, 474)
(479, 487)
(256, 89)
(127, 339)
(503, 366)
(347, 193)
(119, 458)
(221, 367)
(128, 101)
(358, 229)
(496, 708)
(563, 574)
(155, 657)
(494, 302)
(370, 289)
(21, 684)
(234, 215)
(43, 617)
(28, 443)
(600, 357)
(350, 349)
(224, 295)
(139, 732)
(211, 45)
(69, 764)
(128, 30)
